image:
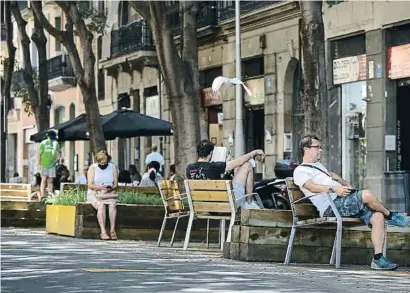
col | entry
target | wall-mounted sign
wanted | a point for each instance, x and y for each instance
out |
(209, 98)
(257, 87)
(398, 61)
(349, 69)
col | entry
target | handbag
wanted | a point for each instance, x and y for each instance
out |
(105, 194)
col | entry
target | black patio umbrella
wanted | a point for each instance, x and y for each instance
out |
(123, 124)
(61, 128)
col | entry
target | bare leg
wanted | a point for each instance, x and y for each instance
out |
(373, 203)
(112, 212)
(42, 187)
(50, 184)
(101, 217)
(378, 227)
(244, 177)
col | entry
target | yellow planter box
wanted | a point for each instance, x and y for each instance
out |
(61, 219)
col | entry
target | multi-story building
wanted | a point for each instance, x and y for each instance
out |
(367, 54)
(270, 54)
(369, 85)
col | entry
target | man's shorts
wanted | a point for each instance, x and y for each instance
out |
(49, 172)
(239, 192)
(351, 206)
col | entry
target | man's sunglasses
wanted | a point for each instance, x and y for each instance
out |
(316, 146)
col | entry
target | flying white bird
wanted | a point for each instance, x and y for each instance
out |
(221, 80)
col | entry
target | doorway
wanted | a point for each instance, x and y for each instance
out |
(403, 125)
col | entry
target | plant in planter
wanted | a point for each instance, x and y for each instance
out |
(65, 211)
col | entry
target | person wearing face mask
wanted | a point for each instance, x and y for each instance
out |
(49, 156)
(102, 183)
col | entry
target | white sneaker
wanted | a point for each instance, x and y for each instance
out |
(252, 205)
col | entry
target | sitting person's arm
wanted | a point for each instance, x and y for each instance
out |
(242, 160)
(339, 179)
(303, 178)
(115, 171)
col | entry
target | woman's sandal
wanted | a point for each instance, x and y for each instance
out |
(104, 236)
(113, 236)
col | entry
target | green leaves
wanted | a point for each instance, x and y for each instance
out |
(74, 196)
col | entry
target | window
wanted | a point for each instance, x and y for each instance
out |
(207, 76)
(123, 101)
(124, 11)
(101, 6)
(151, 91)
(350, 46)
(99, 47)
(57, 24)
(253, 67)
(101, 85)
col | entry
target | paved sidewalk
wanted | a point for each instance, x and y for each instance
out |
(35, 262)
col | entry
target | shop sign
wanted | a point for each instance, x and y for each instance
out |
(209, 98)
(349, 69)
(398, 61)
(257, 87)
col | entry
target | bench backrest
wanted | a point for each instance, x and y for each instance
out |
(170, 196)
(146, 190)
(15, 191)
(210, 196)
(303, 209)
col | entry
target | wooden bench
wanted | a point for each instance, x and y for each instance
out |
(305, 214)
(84, 187)
(15, 192)
(173, 204)
(213, 199)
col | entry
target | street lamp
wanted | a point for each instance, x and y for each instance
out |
(239, 136)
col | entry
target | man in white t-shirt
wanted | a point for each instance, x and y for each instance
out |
(313, 178)
(155, 156)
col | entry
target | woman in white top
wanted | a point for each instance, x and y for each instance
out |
(102, 182)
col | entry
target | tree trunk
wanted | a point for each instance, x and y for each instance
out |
(42, 110)
(180, 77)
(85, 70)
(315, 100)
(38, 98)
(6, 85)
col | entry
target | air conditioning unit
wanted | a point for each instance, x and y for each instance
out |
(287, 142)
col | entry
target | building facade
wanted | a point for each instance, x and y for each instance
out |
(368, 78)
(369, 74)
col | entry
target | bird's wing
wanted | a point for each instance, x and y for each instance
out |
(218, 82)
(221, 80)
(238, 81)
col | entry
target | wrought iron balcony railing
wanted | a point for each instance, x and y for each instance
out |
(207, 16)
(226, 9)
(60, 66)
(130, 38)
(22, 5)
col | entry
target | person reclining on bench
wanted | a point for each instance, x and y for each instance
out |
(313, 178)
(242, 181)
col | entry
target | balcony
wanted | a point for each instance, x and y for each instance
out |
(132, 47)
(207, 16)
(22, 5)
(227, 11)
(60, 74)
(130, 38)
